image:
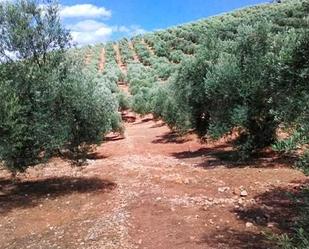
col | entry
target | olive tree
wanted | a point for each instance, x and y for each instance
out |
(48, 102)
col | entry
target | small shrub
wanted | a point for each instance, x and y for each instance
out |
(124, 101)
(303, 162)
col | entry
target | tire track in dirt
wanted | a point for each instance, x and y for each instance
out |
(102, 61)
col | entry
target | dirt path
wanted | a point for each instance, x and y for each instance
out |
(135, 56)
(122, 66)
(88, 57)
(102, 61)
(148, 190)
(125, 88)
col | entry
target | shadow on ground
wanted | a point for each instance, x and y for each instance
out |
(234, 239)
(277, 207)
(224, 155)
(113, 138)
(274, 212)
(170, 138)
(27, 194)
(144, 120)
(128, 117)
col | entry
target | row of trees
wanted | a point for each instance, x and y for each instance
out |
(125, 51)
(249, 76)
(142, 51)
(251, 63)
(49, 103)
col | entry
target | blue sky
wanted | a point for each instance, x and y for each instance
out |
(95, 21)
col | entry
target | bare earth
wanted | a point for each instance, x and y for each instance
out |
(102, 61)
(149, 190)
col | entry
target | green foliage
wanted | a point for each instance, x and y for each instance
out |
(163, 105)
(252, 63)
(32, 31)
(161, 48)
(293, 89)
(49, 104)
(245, 103)
(291, 143)
(140, 101)
(303, 163)
(253, 71)
(176, 56)
(125, 51)
(142, 52)
(190, 95)
(163, 69)
(123, 100)
(245, 71)
(113, 73)
(110, 53)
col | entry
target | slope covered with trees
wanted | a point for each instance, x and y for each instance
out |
(243, 73)
(246, 71)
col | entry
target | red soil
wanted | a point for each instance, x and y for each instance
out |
(102, 61)
(88, 58)
(149, 189)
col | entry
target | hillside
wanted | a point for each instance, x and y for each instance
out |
(204, 141)
(159, 54)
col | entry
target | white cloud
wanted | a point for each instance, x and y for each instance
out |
(86, 25)
(84, 10)
(85, 30)
(90, 32)
(130, 30)
(137, 30)
(123, 29)
(89, 27)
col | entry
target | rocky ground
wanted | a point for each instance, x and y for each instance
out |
(149, 189)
